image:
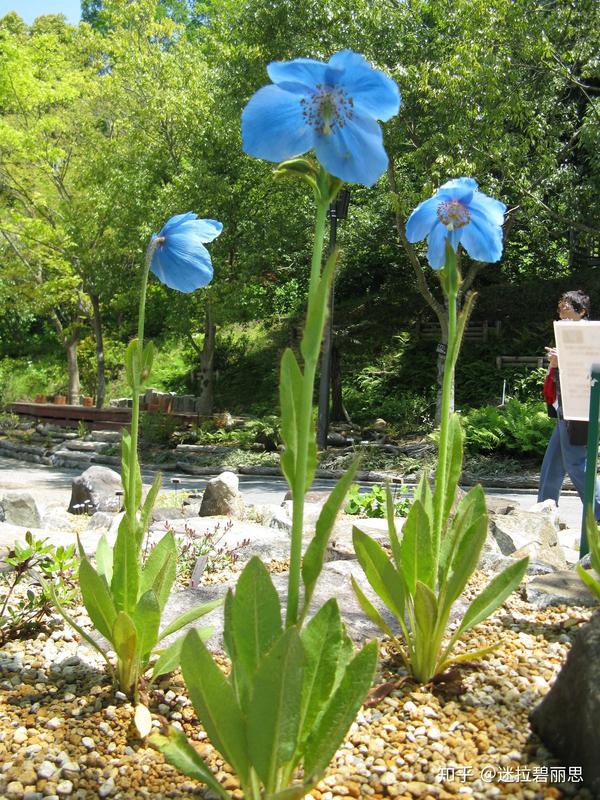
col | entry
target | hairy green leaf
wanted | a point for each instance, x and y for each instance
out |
(159, 570)
(179, 752)
(384, 578)
(97, 599)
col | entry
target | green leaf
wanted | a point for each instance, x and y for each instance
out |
(471, 655)
(317, 312)
(391, 525)
(104, 559)
(590, 582)
(255, 621)
(97, 599)
(274, 710)
(126, 568)
(146, 618)
(417, 561)
(591, 530)
(133, 364)
(455, 457)
(188, 617)
(149, 503)
(426, 611)
(147, 361)
(322, 638)
(370, 610)
(125, 642)
(493, 595)
(312, 563)
(215, 704)
(179, 752)
(290, 388)
(471, 507)
(384, 578)
(159, 570)
(464, 563)
(341, 711)
(170, 658)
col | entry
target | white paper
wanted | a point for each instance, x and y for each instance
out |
(578, 346)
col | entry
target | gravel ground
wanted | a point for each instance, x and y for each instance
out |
(65, 732)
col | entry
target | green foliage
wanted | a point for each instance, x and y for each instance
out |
(22, 378)
(426, 574)
(193, 545)
(114, 353)
(591, 529)
(288, 701)
(36, 561)
(373, 503)
(519, 427)
(157, 427)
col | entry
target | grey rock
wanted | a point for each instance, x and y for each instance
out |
(559, 588)
(97, 487)
(567, 718)
(223, 497)
(162, 514)
(86, 446)
(100, 520)
(20, 508)
(521, 533)
(334, 581)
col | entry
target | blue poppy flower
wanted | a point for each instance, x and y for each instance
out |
(180, 259)
(331, 108)
(463, 215)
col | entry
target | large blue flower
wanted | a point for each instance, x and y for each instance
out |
(331, 108)
(180, 259)
(461, 214)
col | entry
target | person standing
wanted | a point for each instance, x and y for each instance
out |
(567, 451)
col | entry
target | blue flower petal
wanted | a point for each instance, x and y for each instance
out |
(205, 229)
(182, 263)
(482, 239)
(489, 208)
(460, 183)
(422, 219)
(301, 70)
(436, 252)
(373, 92)
(178, 219)
(273, 126)
(354, 153)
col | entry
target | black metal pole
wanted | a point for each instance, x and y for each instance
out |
(325, 380)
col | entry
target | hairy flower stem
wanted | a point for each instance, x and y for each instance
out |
(305, 423)
(135, 388)
(450, 285)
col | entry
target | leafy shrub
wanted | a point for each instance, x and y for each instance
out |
(518, 428)
(372, 504)
(114, 353)
(194, 545)
(157, 427)
(20, 614)
(22, 378)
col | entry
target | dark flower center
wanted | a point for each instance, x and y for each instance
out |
(328, 109)
(453, 214)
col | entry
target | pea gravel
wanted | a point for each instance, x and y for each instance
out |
(66, 733)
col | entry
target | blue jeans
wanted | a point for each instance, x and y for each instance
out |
(563, 458)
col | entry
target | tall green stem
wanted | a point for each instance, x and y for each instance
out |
(135, 391)
(305, 424)
(450, 284)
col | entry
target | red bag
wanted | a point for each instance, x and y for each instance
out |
(550, 387)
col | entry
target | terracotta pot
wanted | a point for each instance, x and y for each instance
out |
(60, 399)
(40, 398)
(88, 402)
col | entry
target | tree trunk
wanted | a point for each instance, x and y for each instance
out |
(100, 372)
(338, 411)
(206, 360)
(73, 368)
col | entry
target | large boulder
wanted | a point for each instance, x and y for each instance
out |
(527, 533)
(222, 497)
(20, 508)
(567, 718)
(96, 490)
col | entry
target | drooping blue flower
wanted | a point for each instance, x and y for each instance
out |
(180, 259)
(331, 108)
(463, 215)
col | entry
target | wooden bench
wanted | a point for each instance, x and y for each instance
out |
(475, 332)
(519, 361)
